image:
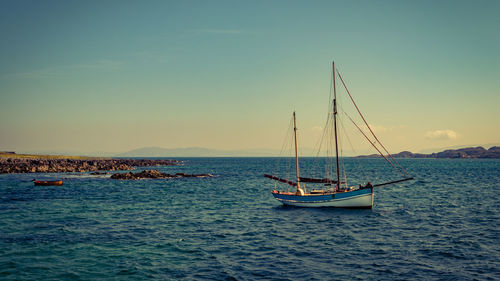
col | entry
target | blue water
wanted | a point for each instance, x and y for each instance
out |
(442, 226)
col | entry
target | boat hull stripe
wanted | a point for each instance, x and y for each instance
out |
(362, 198)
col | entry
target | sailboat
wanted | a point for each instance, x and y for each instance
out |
(337, 194)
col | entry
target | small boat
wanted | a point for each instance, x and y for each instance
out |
(46, 183)
(334, 192)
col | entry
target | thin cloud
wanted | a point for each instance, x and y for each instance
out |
(48, 72)
(441, 135)
(102, 65)
(61, 71)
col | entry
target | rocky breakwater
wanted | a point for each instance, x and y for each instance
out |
(34, 165)
(154, 174)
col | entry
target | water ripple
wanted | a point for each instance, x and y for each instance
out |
(443, 225)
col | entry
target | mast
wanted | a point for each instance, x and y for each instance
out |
(299, 190)
(335, 127)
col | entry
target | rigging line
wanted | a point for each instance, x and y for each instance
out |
(319, 144)
(331, 147)
(323, 142)
(285, 152)
(290, 151)
(341, 156)
(360, 114)
(345, 175)
(328, 158)
(350, 144)
(285, 142)
(345, 134)
(342, 162)
(284, 145)
(330, 100)
(373, 144)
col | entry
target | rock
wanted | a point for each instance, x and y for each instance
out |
(154, 174)
(31, 165)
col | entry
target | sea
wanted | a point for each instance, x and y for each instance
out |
(443, 225)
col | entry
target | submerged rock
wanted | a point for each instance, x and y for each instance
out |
(154, 174)
(99, 173)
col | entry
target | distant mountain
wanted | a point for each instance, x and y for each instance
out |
(195, 152)
(433, 150)
(469, 152)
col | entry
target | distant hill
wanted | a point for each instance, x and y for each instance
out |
(433, 150)
(194, 152)
(469, 152)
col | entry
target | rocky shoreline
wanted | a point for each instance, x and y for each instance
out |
(154, 174)
(38, 165)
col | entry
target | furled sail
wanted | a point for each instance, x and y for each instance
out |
(281, 180)
(316, 180)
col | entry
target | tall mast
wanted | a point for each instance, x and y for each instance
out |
(296, 154)
(335, 127)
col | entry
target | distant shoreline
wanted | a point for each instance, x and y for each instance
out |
(466, 153)
(11, 162)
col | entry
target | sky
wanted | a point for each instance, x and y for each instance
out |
(112, 76)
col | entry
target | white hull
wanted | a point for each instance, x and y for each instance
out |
(353, 199)
(362, 201)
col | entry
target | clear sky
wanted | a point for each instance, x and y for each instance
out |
(110, 76)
